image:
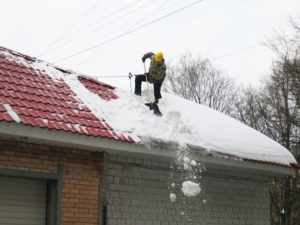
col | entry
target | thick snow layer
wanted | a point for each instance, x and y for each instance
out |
(186, 122)
(190, 188)
(183, 122)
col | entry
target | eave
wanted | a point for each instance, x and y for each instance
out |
(160, 150)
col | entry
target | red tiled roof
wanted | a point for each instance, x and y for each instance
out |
(38, 100)
(41, 101)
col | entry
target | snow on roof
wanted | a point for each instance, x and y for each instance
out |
(190, 124)
(89, 107)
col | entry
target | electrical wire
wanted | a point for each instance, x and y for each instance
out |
(158, 9)
(71, 27)
(128, 32)
(68, 42)
(113, 13)
(226, 55)
(87, 27)
(238, 51)
(137, 22)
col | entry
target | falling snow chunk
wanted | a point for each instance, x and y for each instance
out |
(186, 163)
(190, 188)
(172, 197)
(193, 163)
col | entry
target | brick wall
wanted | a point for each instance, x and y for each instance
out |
(138, 189)
(80, 175)
(138, 194)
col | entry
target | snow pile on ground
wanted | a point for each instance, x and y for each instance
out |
(190, 188)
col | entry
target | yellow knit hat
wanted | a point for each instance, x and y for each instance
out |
(159, 57)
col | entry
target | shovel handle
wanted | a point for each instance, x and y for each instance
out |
(149, 94)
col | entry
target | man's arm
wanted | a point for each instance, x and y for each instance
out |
(147, 55)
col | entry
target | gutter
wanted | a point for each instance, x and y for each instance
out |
(158, 148)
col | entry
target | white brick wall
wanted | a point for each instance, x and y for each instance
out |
(138, 194)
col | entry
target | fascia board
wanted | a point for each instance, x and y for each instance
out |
(67, 139)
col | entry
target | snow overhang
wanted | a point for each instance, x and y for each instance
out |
(158, 150)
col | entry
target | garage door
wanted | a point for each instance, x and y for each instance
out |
(22, 201)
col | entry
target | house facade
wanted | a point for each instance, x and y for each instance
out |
(138, 194)
(43, 184)
(62, 164)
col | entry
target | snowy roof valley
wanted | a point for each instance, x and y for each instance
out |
(35, 93)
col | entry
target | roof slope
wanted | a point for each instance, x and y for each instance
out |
(29, 94)
(38, 94)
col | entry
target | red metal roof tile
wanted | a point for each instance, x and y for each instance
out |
(82, 130)
(41, 123)
(2, 108)
(130, 139)
(4, 116)
(25, 120)
(42, 101)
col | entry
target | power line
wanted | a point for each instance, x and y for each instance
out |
(238, 51)
(71, 27)
(82, 35)
(139, 21)
(128, 32)
(222, 56)
(149, 15)
(101, 26)
(115, 12)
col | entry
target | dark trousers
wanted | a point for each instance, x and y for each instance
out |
(138, 85)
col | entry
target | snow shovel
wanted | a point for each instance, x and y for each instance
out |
(151, 105)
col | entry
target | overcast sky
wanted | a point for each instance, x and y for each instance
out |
(108, 38)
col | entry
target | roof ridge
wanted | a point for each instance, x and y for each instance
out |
(18, 53)
(63, 70)
(94, 80)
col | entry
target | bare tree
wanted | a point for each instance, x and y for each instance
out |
(274, 109)
(198, 80)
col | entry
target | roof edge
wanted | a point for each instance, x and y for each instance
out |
(205, 152)
(111, 146)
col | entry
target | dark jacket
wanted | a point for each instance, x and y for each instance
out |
(157, 71)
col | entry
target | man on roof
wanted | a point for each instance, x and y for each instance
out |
(155, 76)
